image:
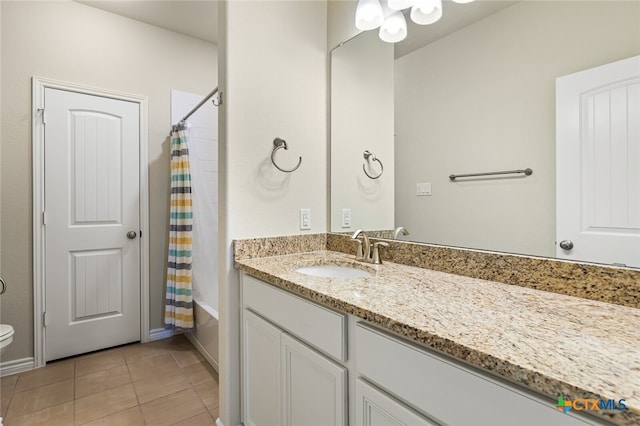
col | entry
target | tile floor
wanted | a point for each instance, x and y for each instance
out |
(166, 382)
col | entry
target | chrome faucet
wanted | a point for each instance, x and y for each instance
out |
(400, 229)
(366, 251)
(364, 246)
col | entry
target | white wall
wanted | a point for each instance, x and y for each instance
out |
(362, 104)
(72, 42)
(483, 99)
(273, 77)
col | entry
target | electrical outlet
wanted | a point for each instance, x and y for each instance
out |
(346, 218)
(305, 219)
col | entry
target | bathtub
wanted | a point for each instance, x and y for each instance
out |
(204, 336)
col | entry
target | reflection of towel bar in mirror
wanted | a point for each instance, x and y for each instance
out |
(370, 155)
(526, 172)
(281, 143)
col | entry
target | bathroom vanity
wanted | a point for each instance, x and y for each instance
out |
(414, 346)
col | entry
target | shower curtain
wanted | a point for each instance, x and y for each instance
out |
(179, 302)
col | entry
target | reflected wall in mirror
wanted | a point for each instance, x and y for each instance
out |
(479, 99)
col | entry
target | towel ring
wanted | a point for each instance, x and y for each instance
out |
(367, 154)
(277, 144)
(3, 286)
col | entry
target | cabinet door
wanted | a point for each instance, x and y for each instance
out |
(314, 388)
(261, 371)
(374, 408)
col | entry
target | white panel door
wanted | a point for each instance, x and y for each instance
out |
(598, 164)
(261, 371)
(314, 388)
(92, 272)
(375, 408)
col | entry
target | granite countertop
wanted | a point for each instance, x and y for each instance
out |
(552, 343)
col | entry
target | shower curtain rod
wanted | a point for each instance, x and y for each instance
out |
(190, 113)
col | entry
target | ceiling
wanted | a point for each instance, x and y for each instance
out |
(455, 16)
(198, 19)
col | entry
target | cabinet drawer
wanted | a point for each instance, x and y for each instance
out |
(318, 326)
(445, 391)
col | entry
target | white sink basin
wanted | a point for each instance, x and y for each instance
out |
(333, 271)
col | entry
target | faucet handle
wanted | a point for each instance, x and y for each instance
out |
(360, 252)
(376, 251)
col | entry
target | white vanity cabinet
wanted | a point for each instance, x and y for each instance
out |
(295, 372)
(444, 391)
(376, 408)
(288, 375)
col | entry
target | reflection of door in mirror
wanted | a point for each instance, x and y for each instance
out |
(362, 121)
(598, 164)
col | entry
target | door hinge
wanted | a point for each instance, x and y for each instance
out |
(42, 115)
(45, 319)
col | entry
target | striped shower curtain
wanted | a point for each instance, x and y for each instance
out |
(179, 303)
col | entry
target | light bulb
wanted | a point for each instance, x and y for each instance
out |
(394, 28)
(400, 4)
(425, 12)
(368, 15)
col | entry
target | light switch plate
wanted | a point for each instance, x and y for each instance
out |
(423, 188)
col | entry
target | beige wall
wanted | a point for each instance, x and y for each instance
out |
(76, 43)
(273, 75)
(483, 99)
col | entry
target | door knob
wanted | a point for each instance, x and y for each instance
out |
(566, 244)
(131, 235)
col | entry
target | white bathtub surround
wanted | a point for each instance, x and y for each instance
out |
(204, 336)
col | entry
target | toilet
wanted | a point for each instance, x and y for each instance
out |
(6, 336)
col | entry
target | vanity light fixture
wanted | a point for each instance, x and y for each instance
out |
(368, 15)
(393, 28)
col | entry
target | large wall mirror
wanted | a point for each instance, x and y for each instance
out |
(477, 94)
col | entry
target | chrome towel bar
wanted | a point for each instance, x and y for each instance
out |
(526, 172)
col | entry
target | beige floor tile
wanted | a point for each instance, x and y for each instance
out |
(101, 381)
(199, 373)
(187, 356)
(172, 408)
(7, 386)
(58, 415)
(103, 360)
(40, 398)
(144, 351)
(151, 388)
(104, 403)
(215, 413)
(163, 364)
(46, 375)
(130, 417)
(209, 394)
(203, 419)
(8, 383)
(5, 399)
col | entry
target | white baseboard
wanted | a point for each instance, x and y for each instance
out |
(16, 366)
(159, 333)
